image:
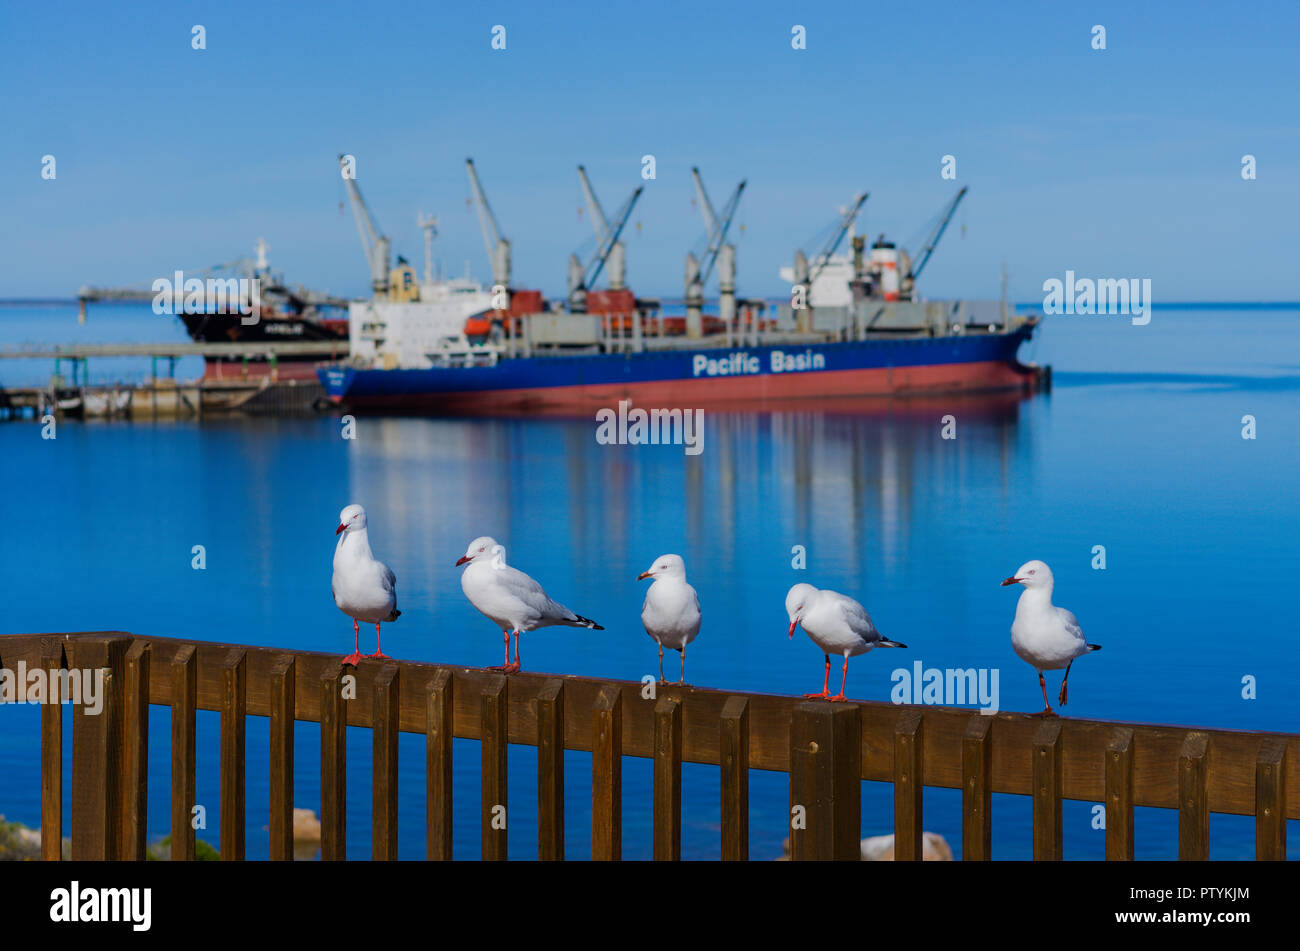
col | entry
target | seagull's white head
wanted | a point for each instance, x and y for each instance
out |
(1032, 574)
(351, 519)
(797, 601)
(482, 548)
(665, 566)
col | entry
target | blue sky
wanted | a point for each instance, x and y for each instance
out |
(1118, 163)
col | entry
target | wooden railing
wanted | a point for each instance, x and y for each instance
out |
(827, 749)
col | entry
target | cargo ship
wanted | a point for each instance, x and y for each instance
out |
(798, 367)
(853, 327)
(284, 315)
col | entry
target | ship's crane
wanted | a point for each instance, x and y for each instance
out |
(823, 257)
(609, 250)
(498, 248)
(376, 245)
(715, 227)
(945, 216)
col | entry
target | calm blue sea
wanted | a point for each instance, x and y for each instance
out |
(1138, 448)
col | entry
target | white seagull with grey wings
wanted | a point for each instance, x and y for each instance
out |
(365, 589)
(509, 598)
(671, 613)
(1046, 637)
(837, 624)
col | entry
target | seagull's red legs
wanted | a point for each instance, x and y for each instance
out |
(379, 645)
(1064, 680)
(355, 657)
(507, 667)
(843, 678)
(507, 660)
(1047, 710)
(826, 683)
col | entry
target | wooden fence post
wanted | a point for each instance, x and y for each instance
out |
(550, 772)
(234, 701)
(733, 749)
(826, 782)
(495, 743)
(438, 730)
(53, 662)
(97, 762)
(607, 776)
(284, 692)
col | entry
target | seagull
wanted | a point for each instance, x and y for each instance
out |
(508, 597)
(671, 613)
(837, 624)
(364, 589)
(1045, 636)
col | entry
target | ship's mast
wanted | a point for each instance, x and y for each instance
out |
(429, 223)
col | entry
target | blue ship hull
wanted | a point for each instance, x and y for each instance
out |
(736, 375)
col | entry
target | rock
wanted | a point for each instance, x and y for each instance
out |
(18, 843)
(880, 848)
(306, 827)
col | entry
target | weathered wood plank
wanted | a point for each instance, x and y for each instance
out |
(333, 763)
(733, 750)
(909, 785)
(1119, 796)
(383, 815)
(1047, 757)
(976, 790)
(825, 789)
(550, 772)
(234, 672)
(668, 780)
(607, 776)
(135, 751)
(1270, 801)
(183, 679)
(439, 715)
(1193, 802)
(495, 745)
(53, 662)
(97, 753)
(283, 690)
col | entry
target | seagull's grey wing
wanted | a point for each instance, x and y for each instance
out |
(857, 617)
(1071, 624)
(389, 578)
(532, 595)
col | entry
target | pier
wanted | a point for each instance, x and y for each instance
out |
(827, 750)
(163, 397)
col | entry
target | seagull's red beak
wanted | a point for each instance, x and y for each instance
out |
(463, 559)
(1012, 580)
(642, 576)
(339, 529)
(793, 625)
